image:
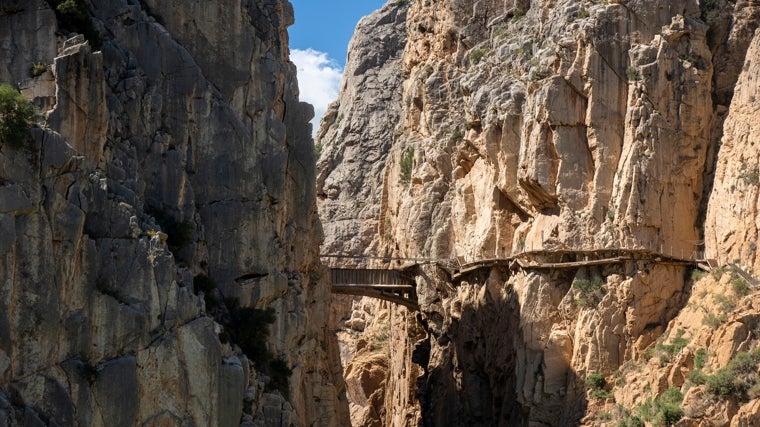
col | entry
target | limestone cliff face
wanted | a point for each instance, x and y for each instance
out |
(364, 119)
(177, 147)
(539, 125)
(731, 227)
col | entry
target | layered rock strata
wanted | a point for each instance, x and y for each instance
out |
(150, 170)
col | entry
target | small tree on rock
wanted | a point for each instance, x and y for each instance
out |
(16, 116)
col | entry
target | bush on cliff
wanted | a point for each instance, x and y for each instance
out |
(589, 292)
(737, 378)
(248, 327)
(16, 116)
(596, 384)
(73, 15)
(207, 285)
(406, 165)
(665, 410)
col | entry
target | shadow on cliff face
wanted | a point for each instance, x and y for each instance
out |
(514, 350)
(469, 359)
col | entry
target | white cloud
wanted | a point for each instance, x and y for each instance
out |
(318, 80)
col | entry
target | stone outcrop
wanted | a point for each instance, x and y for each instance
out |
(541, 125)
(151, 170)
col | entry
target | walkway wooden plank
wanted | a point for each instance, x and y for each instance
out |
(373, 293)
(369, 276)
(396, 287)
(573, 264)
(477, 266)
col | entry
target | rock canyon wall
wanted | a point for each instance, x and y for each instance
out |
(490, 128)
(159, 219)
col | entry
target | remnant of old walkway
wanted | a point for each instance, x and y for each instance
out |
(397, 284)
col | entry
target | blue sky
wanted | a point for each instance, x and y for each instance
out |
(318, 43)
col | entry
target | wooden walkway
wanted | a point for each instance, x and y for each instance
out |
(568, 259)
(385, 284)
(398, 286)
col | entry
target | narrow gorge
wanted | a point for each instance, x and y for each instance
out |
(564, 195)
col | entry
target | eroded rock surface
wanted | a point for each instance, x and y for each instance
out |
(544, 125)
(152, 169)
(731, 227)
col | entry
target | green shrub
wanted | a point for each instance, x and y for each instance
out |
(723, 384)
(595, 381)
(457, 135)
(665, 410)
(669, 415)
(740, 287)
(744, 363)
(74, 16)
(318, 150)
(248, 327)
(518, 13)
(697, 376)
(600, 394)
(590, 292)
(696, 274)
(748, 174)
(671, 397)
(700, 357)
(279, 373)
(736, 378)
(604, 416)
(754, 391)
(476, 55)
(712, 320)
(725, 304)
(718, 272)
(406, 164)
(16, 116)
(676, 344)
(180, 233)
(38, 69)
(632, 74)
(207, 285)
(710, 11)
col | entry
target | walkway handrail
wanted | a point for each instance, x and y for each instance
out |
(695, 256)
(385, 258)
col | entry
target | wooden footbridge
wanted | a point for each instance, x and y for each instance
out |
(397, 285)
(389, 285)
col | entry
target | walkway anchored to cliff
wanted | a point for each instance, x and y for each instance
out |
(385, 284)
(397, 284)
